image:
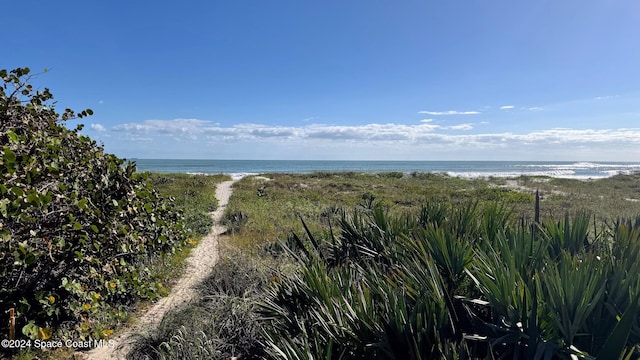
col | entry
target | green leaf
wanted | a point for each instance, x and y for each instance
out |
(29, 259)
(9, 155)
(12, 136)
(614, 347)
(17, 191)
(32, 197)
(77, 226)
(82, 204)
(30, 330)
(3, 207)
(95, 229)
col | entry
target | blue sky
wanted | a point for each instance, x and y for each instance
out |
(356, 79)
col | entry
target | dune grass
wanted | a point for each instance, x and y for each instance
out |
(261, 211)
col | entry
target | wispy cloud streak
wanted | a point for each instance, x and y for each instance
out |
(450, 112)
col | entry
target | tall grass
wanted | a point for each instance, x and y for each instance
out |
(220, 324)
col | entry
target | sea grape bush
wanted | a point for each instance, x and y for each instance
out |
(78, 227)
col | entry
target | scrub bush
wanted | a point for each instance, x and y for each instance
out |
(78, 226)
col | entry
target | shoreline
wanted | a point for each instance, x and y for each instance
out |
(468, 176)
(462, 169)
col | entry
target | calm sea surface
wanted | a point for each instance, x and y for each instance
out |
(580, 170)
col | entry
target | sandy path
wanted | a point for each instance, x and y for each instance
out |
(199, 264)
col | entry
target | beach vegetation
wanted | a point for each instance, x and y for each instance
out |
(262, 210)
(195, 194)
(80, 229)
(471, 281)
(425, 266)
(220, 324)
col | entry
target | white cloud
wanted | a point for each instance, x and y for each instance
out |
(140, 139)
(193, 128)
(98, 127)
(426, 120)
(200, 129)
(506, 107)
(370, 141)
(535, 108)
(461, 127)
(170, 127)
(368, 132)
(450, 112)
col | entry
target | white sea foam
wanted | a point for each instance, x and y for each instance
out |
(580, 165)
(581, 170)
(238, 176)
(234, 176)
(563, 174)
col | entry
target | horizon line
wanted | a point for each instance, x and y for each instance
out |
(395, 160)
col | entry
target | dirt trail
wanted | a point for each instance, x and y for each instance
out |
(199, 264)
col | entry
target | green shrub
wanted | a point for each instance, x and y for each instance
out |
(366, 293)
(392, 175)
(457, 282)
(76, 224)
(195, 194)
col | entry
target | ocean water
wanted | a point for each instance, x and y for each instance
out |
(466, 169)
